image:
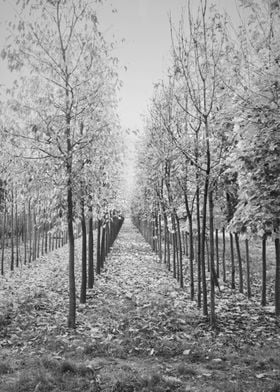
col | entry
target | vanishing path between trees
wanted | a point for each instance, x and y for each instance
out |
(138, 331)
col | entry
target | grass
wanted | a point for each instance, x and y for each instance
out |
(50, 375)
(185, 370)
(139, 348)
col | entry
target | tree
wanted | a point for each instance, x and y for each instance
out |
(257, 123)
(66, 84)
(198, 53)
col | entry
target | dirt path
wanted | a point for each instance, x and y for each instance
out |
(137, 332)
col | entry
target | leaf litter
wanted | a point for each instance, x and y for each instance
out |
(138, 330)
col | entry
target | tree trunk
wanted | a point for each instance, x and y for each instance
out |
(90, 251)
(83, 295)
(30, 231)
(72, 283)
(217, 253)
(212, 260)
(203, 247)
(181, 276)
(17, 232)
(191, 254)
(3, 240)
(224, 256)
(34, 249)
(232, 262)
(248, 268)
(239, 259)
(263, 301)
(12, 233)
(198, 246)
(174, 251)
(25, 235)
(98, 253)
(159, 238)
(102, 249)
(277, 277)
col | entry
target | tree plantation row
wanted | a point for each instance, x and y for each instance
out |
(209, 163)
(235, 265)
(23, 240)
(61, 142)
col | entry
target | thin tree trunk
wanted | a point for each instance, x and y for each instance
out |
(3, 240)
(159, 238)
(212, 260)
(263, 301)
(30, 231)
(72, 283)
(232, 262)
(181, 276)
(102, 250)
(25, 234)
(239, 259)
(34, 250)
(248, 268)
(12, 233)
(174, 253)
(199, 291)
(217, 253)
(191, 258)
(83, 294)
(17, 232)
(203, 247)
(98, 253)
(277, 277)
(224, 256)
(90, 251)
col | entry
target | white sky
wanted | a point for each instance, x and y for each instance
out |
(144, 24)
(145, 52)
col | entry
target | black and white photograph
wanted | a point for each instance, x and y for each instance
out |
(139, 195)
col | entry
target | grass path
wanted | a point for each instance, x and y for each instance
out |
(137, 332)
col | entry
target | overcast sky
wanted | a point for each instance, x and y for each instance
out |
(145, 52)
(144, 24)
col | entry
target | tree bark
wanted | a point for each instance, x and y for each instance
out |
(98, 253)
(212, 260)
(3, 240)
(277, 277)
(248, 269)
(217, 253)
(232, 262)
(83, 295)
(263, 301)
(72, 283)
(90, 251)
(239, 259)
(224, 256)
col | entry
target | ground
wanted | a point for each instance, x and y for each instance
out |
(138, 331)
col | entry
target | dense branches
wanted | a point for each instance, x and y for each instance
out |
(211, 153)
